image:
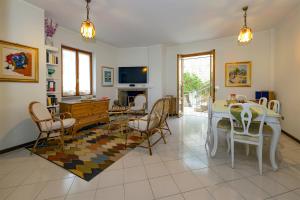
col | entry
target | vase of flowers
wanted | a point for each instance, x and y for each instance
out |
(50, 28)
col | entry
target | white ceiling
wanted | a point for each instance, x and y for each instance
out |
(129, 23)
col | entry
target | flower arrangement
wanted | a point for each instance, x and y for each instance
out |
(50, 27)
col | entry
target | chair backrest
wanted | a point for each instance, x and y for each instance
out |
(242, 125)
(40, 115)
(154, 119)
(166, 109)
(241, 98)
(140, 101)
(274, 105)
(263, 101)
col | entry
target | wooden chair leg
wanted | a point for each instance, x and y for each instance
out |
(126, 137)
(36, 142)
(168, 127)
(149, 144)
(232, 152)
(162, 135)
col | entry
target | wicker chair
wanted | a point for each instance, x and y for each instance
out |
(139, 106)
(164, 123)
(152, 124)
(48, 125)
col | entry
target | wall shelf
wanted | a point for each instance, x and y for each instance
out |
(52, 61)
(52, 65)
(50, 48)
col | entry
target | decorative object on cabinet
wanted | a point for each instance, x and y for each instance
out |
(51, 71)
(18, 63)
(238, 74)
(107, 76)
(50, 29)
(87, 112)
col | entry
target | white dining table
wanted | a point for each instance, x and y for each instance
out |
(220, 110)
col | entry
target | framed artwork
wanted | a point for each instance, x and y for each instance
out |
(107, 76)
(238, 74)
(18, 63)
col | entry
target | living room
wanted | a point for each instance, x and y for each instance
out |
(148, 39)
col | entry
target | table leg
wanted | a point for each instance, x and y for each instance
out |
(274, 143)
(215, 121)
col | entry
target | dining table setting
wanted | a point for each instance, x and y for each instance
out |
(220, 111)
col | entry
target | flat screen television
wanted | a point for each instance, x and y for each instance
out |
(130, 75)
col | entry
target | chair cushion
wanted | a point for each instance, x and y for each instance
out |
(140, 125)
(246, 138)
(224, 124)
(57, 124)
(135, 108)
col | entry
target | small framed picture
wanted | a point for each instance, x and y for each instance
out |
(107, 76)
(238, 74)
(18, 63)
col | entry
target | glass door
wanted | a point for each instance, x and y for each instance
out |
(180, 94)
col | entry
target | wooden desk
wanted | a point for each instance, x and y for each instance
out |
(86, 112)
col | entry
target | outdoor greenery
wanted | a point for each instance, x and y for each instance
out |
(192, 83)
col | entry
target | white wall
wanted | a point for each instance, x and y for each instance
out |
(21, 23)
(152, 57)
(103, 55)
(287, 71)
(227, 50)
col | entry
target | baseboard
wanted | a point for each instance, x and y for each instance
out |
(17, 147)
(289, 135)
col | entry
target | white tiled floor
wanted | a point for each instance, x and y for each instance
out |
(178, 170)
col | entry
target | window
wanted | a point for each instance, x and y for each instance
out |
(76, 72)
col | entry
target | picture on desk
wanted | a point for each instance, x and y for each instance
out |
(238, 74)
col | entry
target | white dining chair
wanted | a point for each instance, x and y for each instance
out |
(274, 105)
(240, 98)
(263, 101)
(247, 130)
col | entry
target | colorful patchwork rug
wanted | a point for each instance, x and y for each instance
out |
(90, 152)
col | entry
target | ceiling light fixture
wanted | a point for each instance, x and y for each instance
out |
(246, 34)
(87, 27)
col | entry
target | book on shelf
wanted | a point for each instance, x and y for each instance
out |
(52, 100)
(51, 86)
(51, 58)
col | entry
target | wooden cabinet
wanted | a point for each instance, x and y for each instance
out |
(87, 112)
(173, 105)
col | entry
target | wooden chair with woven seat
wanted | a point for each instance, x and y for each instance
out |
(139, 105)
(151, 125)
(48, 125)
(164, 123)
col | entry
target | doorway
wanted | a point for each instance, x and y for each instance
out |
(195, 82)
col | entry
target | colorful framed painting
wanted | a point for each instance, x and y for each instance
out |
(107, 76)
(18, 63)
(238, 74)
